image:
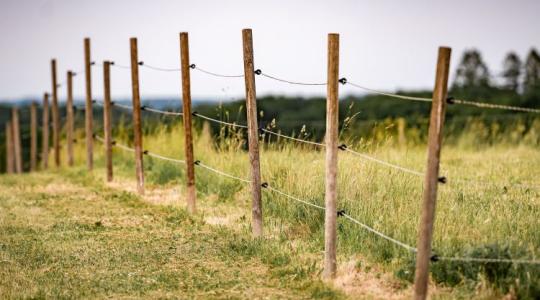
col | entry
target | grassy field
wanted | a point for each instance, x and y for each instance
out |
(71, 249)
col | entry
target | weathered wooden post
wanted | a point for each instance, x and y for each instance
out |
(331, 140)
(33, 137)
(69, 119)
(253, 133)
(10, 160)
(137, 115)
(402, 140)
(55, 115)
(45, 132)
(186, 108)
(17, 149)
(436, 122)
(107, 131)
(88, 113)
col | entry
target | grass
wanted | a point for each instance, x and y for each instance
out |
(65, 235)
(485, 215)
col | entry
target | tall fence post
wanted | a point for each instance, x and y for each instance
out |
(69, 119)
(331, 140)
(253, 133)
(88, 112)
(16, 140)
(186, 108)
(45, 132)
(33, 136)
(107, 133)
(55, 115)
(436, 122)
(137, 115)
(10, 161)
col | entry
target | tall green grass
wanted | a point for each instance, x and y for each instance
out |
(485, 215)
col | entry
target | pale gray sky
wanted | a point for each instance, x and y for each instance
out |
(384, 44)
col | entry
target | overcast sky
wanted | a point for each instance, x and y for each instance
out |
(384, 44)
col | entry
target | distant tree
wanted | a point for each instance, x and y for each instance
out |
(472, 71)
(532, 71)
(511, 71)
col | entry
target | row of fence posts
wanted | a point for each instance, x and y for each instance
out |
(14, 162)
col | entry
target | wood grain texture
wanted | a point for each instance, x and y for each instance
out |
(33, 136)
(17, 147)
(186, 108)
(69, 119)
(55, 115)
(107, 119)
(436, 122)
(331, 140)
(253, 133)
(10, 160)
(45, 132)
(88, 113)
(136, 101)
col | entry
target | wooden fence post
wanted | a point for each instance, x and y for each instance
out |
(10, 161)
(88, 112)
(45, 132)
(107, 133)
(33, 136)
(69, 119)
(137, 115)
(253, 133)
(186, 108)
(16, 140)
(436, 122)
(331, 140)
(55, 115)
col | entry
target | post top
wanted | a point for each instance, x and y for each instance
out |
(333, 34)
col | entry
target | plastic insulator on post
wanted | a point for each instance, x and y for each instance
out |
(192, 66)
(194, 113)
(112, 103)
(92, 63)
(342, 147)
(145, 152)
(75, 141)
(341, 213)
(442, 179)
(94, 101)
(93, 135)
(258, 72)
(113, 143)
(143, 107)
(343, 80)
(111, 63)
(450, 100)
(264, 184)
(141, 63)
(197, 162)
(434, 258)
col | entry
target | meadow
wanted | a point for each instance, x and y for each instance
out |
(489, 208)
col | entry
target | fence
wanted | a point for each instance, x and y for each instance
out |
(432, 178)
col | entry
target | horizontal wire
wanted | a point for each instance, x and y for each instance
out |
(388, 94)
(218, 121)
(155, 155)
(259, 72)
(295, 198)
(193, 66)
(384, 236)
(163, 112)
(292, 138)
(495, 106)
(488, 260)
(160, 68)
(382, 162)
(200, 164)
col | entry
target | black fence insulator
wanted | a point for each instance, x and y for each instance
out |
(434, 258)
(141, 63)
(442, 179)
(113, 143)
(192, 66)
(111, 63)
(264, 184)
(450, 100)
(197, 162)
(145, 152)
(144, 107)
(75, 141)
(112, 103)
(194, 113)
(341, 213)
(343, 80)
(93, 135)
(258, 72)
(94, 101)
(92, 63)
(342, 147)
